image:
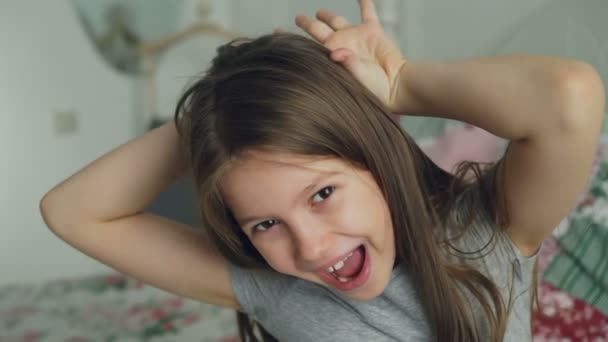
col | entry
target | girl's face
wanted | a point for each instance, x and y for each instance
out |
(318, 219)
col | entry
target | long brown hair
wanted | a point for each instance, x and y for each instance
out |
(282, 93)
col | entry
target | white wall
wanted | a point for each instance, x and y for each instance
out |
(449, 30)
(263, 16)
(47, 65)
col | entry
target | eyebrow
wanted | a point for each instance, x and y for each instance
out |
(314, 183)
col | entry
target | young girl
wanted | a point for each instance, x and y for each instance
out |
(322, 219)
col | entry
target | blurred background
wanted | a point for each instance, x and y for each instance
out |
(80, 77)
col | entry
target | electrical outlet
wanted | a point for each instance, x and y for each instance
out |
(65, 122)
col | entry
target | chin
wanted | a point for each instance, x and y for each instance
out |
(371, 291)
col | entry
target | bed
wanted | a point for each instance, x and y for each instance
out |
(573, 290)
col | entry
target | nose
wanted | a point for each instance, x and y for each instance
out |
(311, 245)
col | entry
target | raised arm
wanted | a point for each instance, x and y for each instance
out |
(99, 211)
(550, 108)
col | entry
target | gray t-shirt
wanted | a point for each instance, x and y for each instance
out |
(293, 309)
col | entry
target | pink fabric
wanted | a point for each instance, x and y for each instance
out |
(459, 144)
(561, 316)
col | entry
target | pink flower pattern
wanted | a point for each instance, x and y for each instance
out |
(562, 317)
(109, 307)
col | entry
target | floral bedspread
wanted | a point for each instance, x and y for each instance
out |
(108, 308)
(117, 308)
(563, 317)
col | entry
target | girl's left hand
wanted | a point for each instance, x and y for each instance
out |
(365, 49)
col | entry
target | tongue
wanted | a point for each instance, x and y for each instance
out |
(353, 264)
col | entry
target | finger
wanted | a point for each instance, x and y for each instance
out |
(349, 60)
(315, 28)
(341, 55)
(368, 11)
(336, 22)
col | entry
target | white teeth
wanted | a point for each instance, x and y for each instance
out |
(343, 280)
(339, 264)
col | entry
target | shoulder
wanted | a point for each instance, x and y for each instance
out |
(261, 292)
(479, 240)
(282, 304)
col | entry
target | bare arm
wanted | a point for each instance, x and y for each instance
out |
(550, 108)
(514, 97)
(99, 210)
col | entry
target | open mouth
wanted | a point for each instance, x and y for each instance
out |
(350, 272)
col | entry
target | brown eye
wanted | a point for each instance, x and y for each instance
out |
(264, 226)
(323, 194)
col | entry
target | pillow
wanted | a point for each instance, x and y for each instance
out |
(463, 143)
